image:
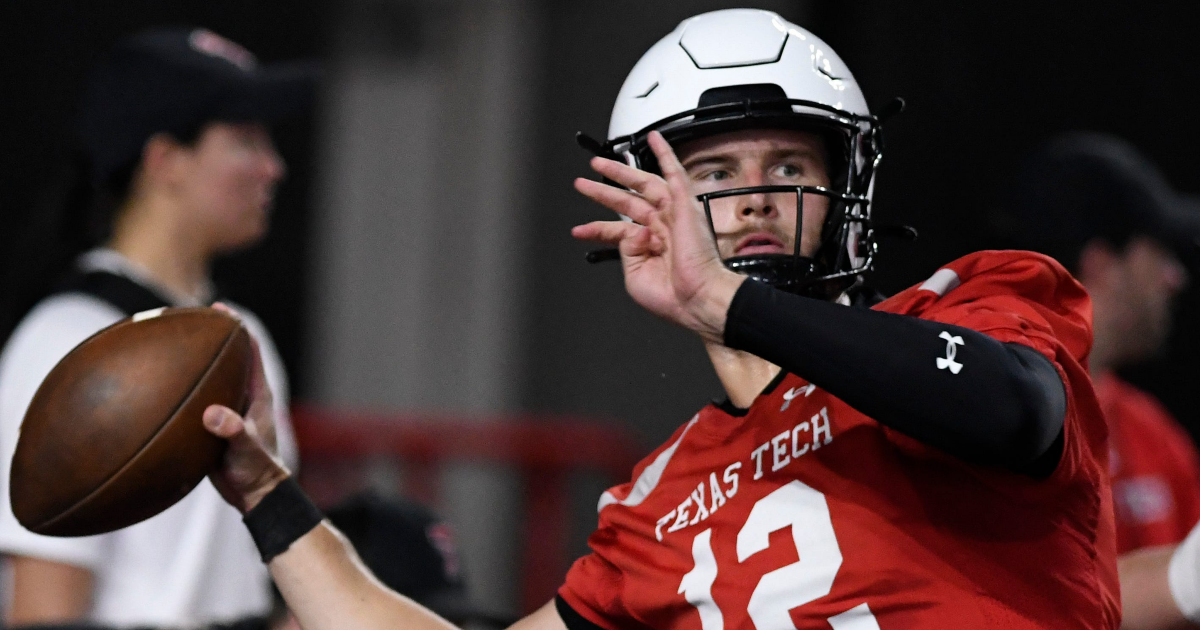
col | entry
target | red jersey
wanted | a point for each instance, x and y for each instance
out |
(804, 513)
(1155, 474)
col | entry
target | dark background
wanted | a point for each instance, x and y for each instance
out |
(985, 83)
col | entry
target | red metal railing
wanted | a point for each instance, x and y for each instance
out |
(336, 446)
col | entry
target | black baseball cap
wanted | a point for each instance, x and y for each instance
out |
(176, 80)
(413, 552)
(1086, 185)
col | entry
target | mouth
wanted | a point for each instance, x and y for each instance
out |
(759, 243)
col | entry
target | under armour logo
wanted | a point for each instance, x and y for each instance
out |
(952, 344)
(795, 392)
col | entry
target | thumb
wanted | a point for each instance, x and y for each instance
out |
(223, 422)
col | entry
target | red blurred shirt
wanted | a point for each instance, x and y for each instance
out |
(804, 513)
(1155, 471)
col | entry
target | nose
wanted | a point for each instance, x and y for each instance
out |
(1175, 275)
(757, 204)
(273, 166)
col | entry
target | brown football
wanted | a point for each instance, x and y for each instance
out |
(114, 435)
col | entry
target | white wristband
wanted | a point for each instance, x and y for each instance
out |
(1183, 576)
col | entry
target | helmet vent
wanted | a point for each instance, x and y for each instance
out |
(821, 63)
(756, 92)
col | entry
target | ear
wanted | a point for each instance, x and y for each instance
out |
(162, 157)
(1098, 262)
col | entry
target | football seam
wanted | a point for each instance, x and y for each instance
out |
(149, 441)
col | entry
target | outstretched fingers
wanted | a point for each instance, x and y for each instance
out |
(691, 237)
(620, 201)
(672, 170)
(648, 185)
(608, 232)
(630, 238)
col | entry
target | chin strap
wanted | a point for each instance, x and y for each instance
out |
(894, 106)
(602, 255)
(902, 232)
(590, 144)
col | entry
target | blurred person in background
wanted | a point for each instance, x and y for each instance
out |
(1103, 210)
(181, 168)
(934, 460)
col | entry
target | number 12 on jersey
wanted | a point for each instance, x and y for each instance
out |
(785, 588)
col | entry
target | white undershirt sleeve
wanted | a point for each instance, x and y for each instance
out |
(1183, 576)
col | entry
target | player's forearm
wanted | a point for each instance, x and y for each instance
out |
(990, 404)
(46, 592)
(328, 588)
(1160, 587)
(1146, 600)
(322, 579)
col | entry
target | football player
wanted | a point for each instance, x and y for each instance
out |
(937, 460)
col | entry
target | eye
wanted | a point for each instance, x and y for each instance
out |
(243, 139)
(717, 175)
(788, 171)
(251, 136)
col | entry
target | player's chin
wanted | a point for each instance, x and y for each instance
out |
(245, 233)
(1152, 338)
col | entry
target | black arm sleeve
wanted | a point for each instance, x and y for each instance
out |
(1005, 405)
(571, 619)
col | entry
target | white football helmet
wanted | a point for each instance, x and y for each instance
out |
(748, 68)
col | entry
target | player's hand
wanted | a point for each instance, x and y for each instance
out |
(251, 467)
(669, 255)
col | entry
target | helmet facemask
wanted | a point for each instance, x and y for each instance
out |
(831, 265)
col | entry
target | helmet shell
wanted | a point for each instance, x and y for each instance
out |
(726, 48)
